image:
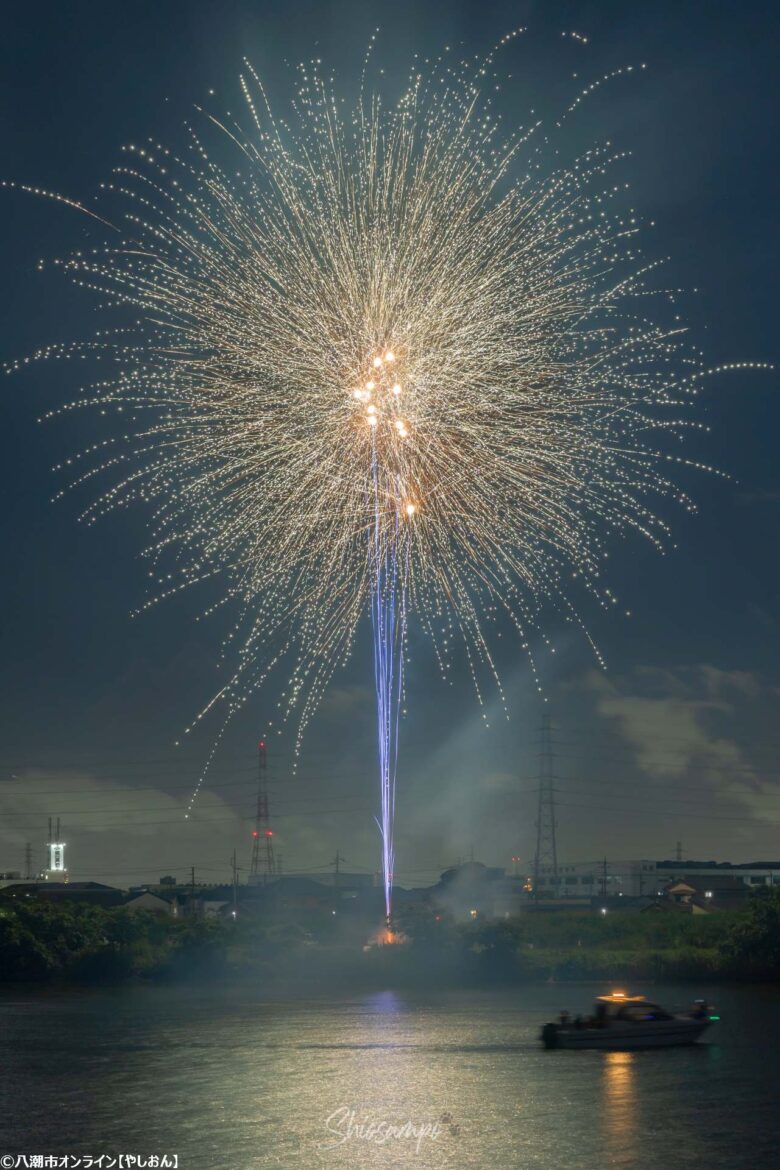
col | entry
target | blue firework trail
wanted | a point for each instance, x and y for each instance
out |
(388, 618)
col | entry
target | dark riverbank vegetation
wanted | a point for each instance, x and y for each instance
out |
(42, 941)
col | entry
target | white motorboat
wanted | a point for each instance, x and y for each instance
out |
(628, 1021)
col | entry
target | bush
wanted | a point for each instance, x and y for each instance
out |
(752, 944)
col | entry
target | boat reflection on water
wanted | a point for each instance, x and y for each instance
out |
(620, 1103)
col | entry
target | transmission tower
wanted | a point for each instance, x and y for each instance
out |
(263, 866)
(28, 861)
(546, 856)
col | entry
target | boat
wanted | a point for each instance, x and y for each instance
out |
(629, 1021)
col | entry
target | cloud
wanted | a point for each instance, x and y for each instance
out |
(690, 721)
(115, 832)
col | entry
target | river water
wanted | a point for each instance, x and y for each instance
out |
(229, 1080)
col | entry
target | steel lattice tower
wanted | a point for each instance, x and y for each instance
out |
(263, 865)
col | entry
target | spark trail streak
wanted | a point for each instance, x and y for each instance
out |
(388, 616)
(395, 362)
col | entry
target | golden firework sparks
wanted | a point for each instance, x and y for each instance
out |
(398, 318)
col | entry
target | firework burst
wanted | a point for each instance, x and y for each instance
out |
(383, 362)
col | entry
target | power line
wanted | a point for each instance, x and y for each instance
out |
(671, 814)
(702, 787)
(306, 805)
(175, 758)
(691, 767)
(290, 805)
(205, 821)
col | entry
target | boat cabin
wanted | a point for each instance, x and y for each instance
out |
(631, 1008)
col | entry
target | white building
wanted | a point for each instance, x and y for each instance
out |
(643, 878)
(591, 879)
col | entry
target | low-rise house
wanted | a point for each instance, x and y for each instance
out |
(705, 895)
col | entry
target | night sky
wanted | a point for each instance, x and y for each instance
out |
(677, 740)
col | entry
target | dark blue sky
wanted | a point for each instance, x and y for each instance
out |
(678, 740)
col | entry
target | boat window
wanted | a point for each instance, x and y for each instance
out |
(655, 1012)
(637, 1012)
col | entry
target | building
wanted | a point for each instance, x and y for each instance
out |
(702, 896)
(13, 878)
(92, 893)
(149, 903)
(280, 898)
(643, 878)
(343, 879)
(600, 879)
(751, 873)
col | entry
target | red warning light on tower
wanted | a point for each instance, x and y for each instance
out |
(269, 832)
(261, 745)
(254, 833)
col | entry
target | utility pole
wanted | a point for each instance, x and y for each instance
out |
(336, 863)
(604, 878)
(234, 865)
(263, 865)
(192, 891)
(546, 856)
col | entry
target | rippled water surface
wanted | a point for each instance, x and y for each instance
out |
(227, 1079)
